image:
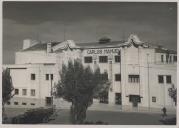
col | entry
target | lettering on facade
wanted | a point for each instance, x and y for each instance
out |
(103, 51)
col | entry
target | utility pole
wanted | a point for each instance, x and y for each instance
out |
(51, 78)
(148, 80)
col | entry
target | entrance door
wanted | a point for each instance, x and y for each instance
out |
(118, 98)
(135, 102)
(48, 101)
(135, 99)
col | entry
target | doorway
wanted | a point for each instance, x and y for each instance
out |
(48, 101)
(135, 99)
(118, 98)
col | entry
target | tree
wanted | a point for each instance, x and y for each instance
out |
(7, 87)
(79, 85)
(173, 93)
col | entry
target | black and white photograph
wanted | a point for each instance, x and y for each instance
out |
(89, 63)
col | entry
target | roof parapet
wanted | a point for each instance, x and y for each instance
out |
(27, 43)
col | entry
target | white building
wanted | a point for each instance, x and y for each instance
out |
(140, 73)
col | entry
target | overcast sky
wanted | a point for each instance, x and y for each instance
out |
(86, 22)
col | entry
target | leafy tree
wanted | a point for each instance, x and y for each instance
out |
(79, 85)
(173, 93)
(7, 87)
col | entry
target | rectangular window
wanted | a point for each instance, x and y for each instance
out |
(175, 58)
(168, 79)
(16, 91)
(162, 58)
(103, 59)
(8, 103)
(153, 99)
(32, 104)
(24, 91)
(88, 59)
(16, 103)
(117, 59)
(134, 78)
(32, 76)
(47, 76)
(51, 76)
(117, 77)
(160, 79)
(24, 103)
(32, 92)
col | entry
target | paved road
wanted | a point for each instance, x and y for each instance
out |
(113, 118)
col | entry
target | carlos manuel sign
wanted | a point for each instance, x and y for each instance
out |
(103, 51)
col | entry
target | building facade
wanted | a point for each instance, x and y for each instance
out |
(140, 73)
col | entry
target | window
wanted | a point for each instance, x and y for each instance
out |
(134, 78)
(117, 77)
(170, 59)
(117, 59)
(51, 76)
(88, 59)
(47, 76)
(162, 58)
(24, 91)
(168, 79)
(32, 76)
(104, 76)
(175, 58)
(24, 103)
(32, 104)
(32, 92)
(167, 57)
(160, 79)
(103, 59)
(153, 99)
(16, 91)
(8, 103)
(16, 103)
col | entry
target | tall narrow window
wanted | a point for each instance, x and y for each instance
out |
(24, 92)
(170, 59)
(47, 76)
(175, 58)
(162, 58)
(32, 92)
(16, 91)
(160, 79)
(51, 76)
(168, 79)
(32, 76)
(153, 99)
(167, 57)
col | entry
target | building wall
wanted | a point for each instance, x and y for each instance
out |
(134, 61)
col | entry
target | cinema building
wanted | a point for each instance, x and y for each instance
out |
(140, 73)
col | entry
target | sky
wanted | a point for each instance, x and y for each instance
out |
(87, 22)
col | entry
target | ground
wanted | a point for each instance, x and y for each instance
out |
(62, 116)
(113, 118)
